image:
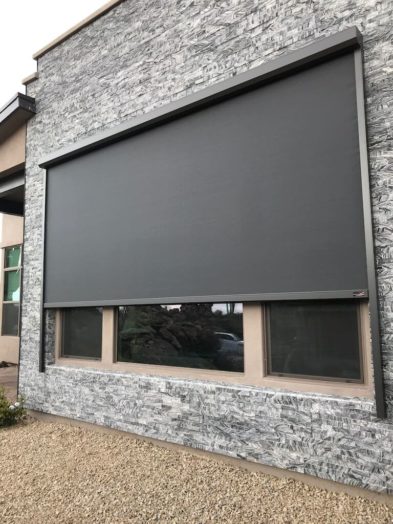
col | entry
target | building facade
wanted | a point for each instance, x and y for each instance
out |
(13, 117)
(11, 242)
(130, 61)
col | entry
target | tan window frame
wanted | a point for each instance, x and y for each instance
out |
(255, 368)
(316, 377)
(60, 333)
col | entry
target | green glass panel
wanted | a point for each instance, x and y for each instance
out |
(10, 320)
(12, 256)
(12, 286)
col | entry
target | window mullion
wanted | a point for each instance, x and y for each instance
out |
(108, 335)
(253, 341)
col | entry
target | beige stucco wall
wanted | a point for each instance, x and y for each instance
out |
(11, 230)
(12, 152)
(11, 234)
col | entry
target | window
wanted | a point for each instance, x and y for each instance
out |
(11, 291)
(204, 336)
(314, 339)
(313, 346)
(82, 333)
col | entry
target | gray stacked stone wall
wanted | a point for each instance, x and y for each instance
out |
(142, 55)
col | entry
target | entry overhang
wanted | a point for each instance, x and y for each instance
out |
(15, 113)
(13, 117)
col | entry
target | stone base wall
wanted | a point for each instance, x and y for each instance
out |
(142, 55)
(335, 439)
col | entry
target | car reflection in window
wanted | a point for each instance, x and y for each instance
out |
(230, 354)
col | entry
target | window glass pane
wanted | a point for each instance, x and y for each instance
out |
(204, 336)
(12, 286)
(82, 333)
(10, 320)
(12, 256)
(317, 339)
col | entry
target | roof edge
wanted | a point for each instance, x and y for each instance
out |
(15, 113)
(18, 100)
(80, 25)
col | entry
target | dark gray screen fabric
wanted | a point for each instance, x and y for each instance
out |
(258, 194)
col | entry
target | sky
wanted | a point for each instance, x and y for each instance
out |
(28, 25)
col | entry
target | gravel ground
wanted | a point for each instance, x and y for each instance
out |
(53, 473)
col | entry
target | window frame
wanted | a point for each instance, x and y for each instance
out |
(6, 270)
(159, 366)
(330, 387)
(255, 366)
(61, 322)
(267, 355)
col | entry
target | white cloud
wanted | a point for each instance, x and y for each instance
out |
(28, 25)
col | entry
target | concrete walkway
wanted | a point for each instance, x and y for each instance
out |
(8, 379)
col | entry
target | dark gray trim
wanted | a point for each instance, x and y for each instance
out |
(368, 231)
(18, 168)
(290, 62)
(41, 361)
(19, 100)
(11, 208)
(11, 182)
(15, 113)
(7, 200)
(259, 297)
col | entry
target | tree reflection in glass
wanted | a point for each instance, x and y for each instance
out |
(204, 336)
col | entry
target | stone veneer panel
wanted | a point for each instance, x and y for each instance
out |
(142, 55)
